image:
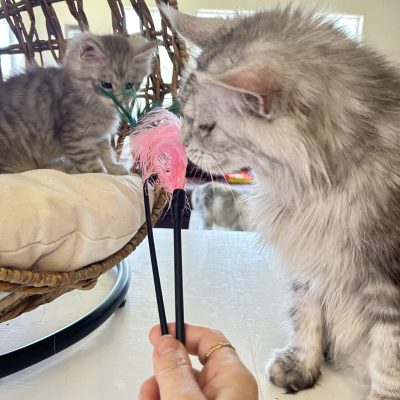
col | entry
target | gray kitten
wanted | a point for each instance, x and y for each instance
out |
(219, 204)
(317, 115)
(56, 118)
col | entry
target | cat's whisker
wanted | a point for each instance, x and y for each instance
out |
(195, 161)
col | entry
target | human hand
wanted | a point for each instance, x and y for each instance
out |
(223, 376)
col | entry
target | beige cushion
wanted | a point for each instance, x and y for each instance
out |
(52, 221)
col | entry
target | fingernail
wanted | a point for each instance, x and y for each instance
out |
(166, 344)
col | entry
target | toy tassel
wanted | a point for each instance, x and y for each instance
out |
(157, 147)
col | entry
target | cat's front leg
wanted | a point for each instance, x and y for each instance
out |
(83, 155)
(384, 359)
(62, 164)
(107, 156)
(297, 366)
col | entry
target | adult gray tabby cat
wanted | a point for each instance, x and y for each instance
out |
(317, 115)
(56, 118)
(218, 204)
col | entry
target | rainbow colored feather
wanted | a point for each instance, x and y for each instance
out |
(156, 146)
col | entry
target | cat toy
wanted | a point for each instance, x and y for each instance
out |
(156, 146)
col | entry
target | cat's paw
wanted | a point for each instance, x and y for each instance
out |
(117, 169)
(288, 372)
(375, 396)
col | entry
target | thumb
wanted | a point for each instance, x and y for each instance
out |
(173, 371)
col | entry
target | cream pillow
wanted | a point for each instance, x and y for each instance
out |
(52, 221)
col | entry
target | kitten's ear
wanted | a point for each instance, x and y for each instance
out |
(193, 29)
(144, 52)
(257, 87)
(143, 49)
(90, 51)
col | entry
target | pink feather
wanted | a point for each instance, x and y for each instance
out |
(155, 144)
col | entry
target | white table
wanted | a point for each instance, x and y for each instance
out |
(229, 285)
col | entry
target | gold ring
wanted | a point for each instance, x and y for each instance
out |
(218, 346)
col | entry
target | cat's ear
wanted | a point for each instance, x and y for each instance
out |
(193, 29)
(144, 52)
(90, 51)
(257, 88)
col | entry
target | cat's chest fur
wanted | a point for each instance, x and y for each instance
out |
(316, 241)
(310, 234)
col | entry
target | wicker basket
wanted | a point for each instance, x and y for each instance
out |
(30, 289)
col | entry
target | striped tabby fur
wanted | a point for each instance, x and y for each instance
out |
(55, 118)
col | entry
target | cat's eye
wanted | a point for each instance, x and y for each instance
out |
(106, 85)
(207, 128)
(129, 86)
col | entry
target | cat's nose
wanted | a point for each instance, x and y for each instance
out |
(185, 139)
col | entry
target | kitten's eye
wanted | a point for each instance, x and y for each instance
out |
(129, 86)
(106, 85)
(207, 128)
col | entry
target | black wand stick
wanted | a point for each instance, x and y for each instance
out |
(154, 264)
(177, 207)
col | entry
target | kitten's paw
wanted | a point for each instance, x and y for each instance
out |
(117, 169)
(375, 396)
(287, 372)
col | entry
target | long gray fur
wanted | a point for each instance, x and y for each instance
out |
(317, 115)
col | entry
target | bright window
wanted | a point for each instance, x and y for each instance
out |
(133, 26)
(221, 13)
(351, 24)
(5, 40)
(9, 63)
